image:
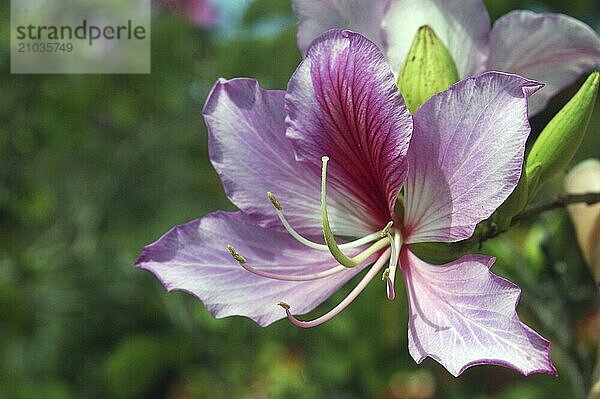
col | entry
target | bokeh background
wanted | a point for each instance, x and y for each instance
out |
(94, 167)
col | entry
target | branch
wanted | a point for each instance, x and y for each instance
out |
(490, 229)
(559, 202)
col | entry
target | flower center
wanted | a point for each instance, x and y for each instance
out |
(388, 236)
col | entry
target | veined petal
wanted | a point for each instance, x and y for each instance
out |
(318, 16)
(462, 25)
(465, 156)
(550, 48)
(342, 102)
(461, 315)
(252, 156)
(194, 258)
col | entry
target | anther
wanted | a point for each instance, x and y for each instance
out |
(386, 229)
(239, 258)
(386, 274)
(284, 305)
(274, 201)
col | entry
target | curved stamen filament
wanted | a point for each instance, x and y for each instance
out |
(284, 277)
(311, 244)
(342, 305)
(390, 276)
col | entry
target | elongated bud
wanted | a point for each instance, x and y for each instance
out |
(428, 69)
(533, 173)
(561, 138)
(584, 178)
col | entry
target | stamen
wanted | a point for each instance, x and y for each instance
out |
(396, 243)
(342, 305)
(386, 229)
(239, 258)
(284, 277)
(274, 201)
(386, 274)
(311, 244)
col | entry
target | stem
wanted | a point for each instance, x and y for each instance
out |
(561, 201)
(491, 230)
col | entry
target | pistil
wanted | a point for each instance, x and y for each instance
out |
(334, 249)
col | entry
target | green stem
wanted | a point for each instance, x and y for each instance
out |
(491, 230)
(559, 202)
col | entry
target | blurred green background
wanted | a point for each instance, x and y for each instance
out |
(95, 167)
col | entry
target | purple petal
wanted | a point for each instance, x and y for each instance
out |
(318, 16)
(201, 12)
(465, 156)
(550, 48)
(252, 156)
(342, 102)
(462, 315)
(462, 25)
(193, 258)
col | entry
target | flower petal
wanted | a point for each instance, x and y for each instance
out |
(252, 156)
(462, 25)
(550, 48)
(465, 156)
(193, 258)
(461, 315)
(318, 16)
(342, 102)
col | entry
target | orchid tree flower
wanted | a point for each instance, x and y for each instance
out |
(550, 48)
(336, 154)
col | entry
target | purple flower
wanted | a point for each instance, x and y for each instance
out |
(550, 48)
(202, 13)
(334, 151)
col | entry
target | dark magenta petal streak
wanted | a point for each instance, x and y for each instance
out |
(342, 101)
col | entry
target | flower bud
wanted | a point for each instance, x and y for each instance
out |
(428, 69)
(584, 178)
(561, 138)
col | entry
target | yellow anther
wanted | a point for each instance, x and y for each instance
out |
(284, 305)
(239, 258)
(387, 229)
(274, 201)
(386, 274)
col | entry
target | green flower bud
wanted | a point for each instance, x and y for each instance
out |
(533, 179)
(428, 69)
(561, 138)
